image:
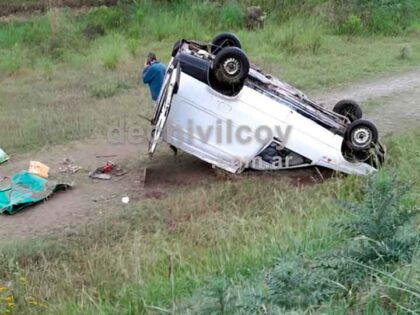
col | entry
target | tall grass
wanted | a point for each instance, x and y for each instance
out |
(203, 250)
(12, 60)
(295, 28)
(195, 249)
(300, 50)
(384, 17)
(110, 50)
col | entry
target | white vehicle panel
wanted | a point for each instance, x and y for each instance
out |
(230, 132)
(197, 111)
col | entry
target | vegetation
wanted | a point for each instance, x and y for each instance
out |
(254, 246)
(379, 237)
(237, 247)
(75, 53)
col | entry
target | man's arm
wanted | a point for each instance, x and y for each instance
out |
(148, 74)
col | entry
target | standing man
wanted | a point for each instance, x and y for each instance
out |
(153, 74)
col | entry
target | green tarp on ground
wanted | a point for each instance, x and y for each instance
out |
(24, 189)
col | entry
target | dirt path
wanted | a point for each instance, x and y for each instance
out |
(391, 102)
(86, 199)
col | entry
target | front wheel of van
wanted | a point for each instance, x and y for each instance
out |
(229, 70)
(231, 66)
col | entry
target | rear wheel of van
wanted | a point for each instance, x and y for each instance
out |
(229, 70)
(349, 109)
(224, 40)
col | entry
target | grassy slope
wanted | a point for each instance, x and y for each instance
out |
(52, 75)
(231, 230)
(228, 231)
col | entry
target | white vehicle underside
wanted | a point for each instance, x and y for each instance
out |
(265, 124)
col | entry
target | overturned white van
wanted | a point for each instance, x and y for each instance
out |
(217, 107)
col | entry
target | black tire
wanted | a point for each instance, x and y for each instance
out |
(224, 40)
(361, 135)
(230, 67)
(349, 109)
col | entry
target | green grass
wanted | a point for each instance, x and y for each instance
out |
(53, 80)
(303, 53)
(58, 85)
(158, 252)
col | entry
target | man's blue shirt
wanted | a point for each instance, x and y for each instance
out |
(153, 76)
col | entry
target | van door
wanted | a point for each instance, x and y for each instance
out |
(169, 88)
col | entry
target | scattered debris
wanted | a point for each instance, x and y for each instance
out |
(104, 172)
(108, 167)
(125, 199)
(143, 177)
(3, 156)
(120, 172)
(69, 166)
(39, 169)
(106, 198)
(106, 156)
(25, 189)
(96, 175)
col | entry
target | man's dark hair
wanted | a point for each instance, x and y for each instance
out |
(151, 57)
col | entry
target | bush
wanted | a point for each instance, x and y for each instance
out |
(376, 223)
(352, 25)
(376, 243)
(293, 284)
(390, 17)
(139, 15)
(103, 19)
(379, 233)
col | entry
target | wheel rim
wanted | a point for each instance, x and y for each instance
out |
(361, 137)
(231, 66)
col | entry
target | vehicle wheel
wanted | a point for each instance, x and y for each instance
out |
(361, 135)
(349, 109)
(231, 66)
(224, 40)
